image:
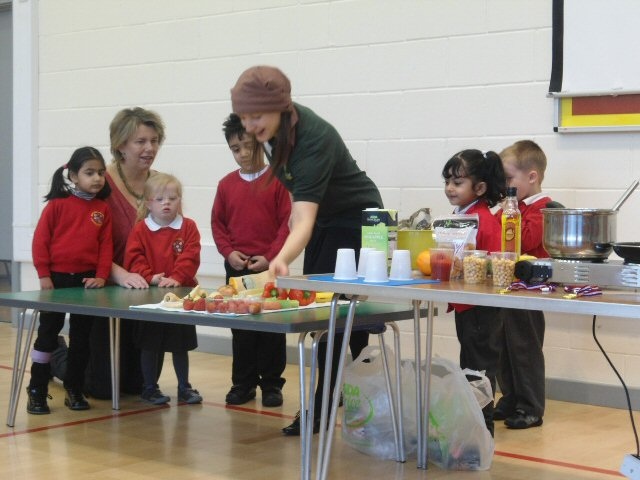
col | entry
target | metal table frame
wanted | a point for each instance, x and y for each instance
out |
(613, 303)
(307, 396)
(114, 303)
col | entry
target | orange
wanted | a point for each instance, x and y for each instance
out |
(423, 260)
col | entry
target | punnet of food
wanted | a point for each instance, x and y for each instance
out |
(249, 301)
(241, 305)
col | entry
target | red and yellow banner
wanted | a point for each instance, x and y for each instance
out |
(601, 111)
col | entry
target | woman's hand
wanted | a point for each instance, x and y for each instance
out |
(303, 218)
(278, 268)
(46, 283)
(168, 282)
(127, 279)
(133, 280)
(93, 282)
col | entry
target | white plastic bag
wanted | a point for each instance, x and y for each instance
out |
(458, 436)
(366, 423)
(481, 387)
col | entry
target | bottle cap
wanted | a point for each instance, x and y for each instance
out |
(511, 191)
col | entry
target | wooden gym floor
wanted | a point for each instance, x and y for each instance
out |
(213, 441)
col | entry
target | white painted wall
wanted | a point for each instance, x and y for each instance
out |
(6, 132)
(406, 82)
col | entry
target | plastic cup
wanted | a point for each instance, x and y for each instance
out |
(474, 266)
(400, 265)
(376, 267)
(441, 260)
(362, 261)
(345, 265)
(503, 265)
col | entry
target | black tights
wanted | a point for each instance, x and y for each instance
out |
(151, 362)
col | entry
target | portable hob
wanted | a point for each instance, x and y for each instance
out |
(608, 273)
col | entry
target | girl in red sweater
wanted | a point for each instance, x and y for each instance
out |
(164, 248)
(72, 247)
(474, 182)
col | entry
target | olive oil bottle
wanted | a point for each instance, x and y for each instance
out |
(511, 219)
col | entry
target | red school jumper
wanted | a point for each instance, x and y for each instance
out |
(488, 237)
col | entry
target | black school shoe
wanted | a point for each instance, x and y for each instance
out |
(293, 430)
(271, 397)
(521, 420)
(74, 399)
(37, 401)
(503, 410)
(239, 395)
(501, 414)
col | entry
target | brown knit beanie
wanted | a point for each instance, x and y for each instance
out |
(261, 89)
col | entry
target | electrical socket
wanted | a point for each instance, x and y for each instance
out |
(630, 467)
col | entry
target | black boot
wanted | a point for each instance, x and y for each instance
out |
(37, 400)
(294, 429)
(74, 399)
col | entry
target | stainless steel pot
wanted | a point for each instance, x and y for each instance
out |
(579, 233)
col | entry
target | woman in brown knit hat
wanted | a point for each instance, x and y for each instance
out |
(328, 189)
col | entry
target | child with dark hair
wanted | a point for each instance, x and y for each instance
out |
(249, 221)
(72, 247)
(474, 182)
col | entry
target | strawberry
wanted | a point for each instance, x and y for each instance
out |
(211, 307)
(200, 305)
(188, 304)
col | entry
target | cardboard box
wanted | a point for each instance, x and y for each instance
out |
(380, 230)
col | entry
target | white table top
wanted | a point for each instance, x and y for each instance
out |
(613, 303)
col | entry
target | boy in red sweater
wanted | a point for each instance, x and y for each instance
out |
(249, 221)
(521, 372)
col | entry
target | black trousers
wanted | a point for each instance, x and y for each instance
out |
(259, 358)
(49, 328)
(479, 331)
(521, 373)
(320, 257)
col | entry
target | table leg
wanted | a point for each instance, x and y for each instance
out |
(307, 401)
(395, 401)
(114, 356)
(421, 453)
(324, 447)
(304, 446)
(20, 358)
(424, 395)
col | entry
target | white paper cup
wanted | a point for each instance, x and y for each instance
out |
(362, 261)
(400, 265)
(345, 265)
(376, 267)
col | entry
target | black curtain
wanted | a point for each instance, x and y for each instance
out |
(555, 84)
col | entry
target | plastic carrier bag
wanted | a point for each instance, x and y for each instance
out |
(458, 436)
(366, 422)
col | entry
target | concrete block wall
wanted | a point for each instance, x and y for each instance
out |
(407, 83)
